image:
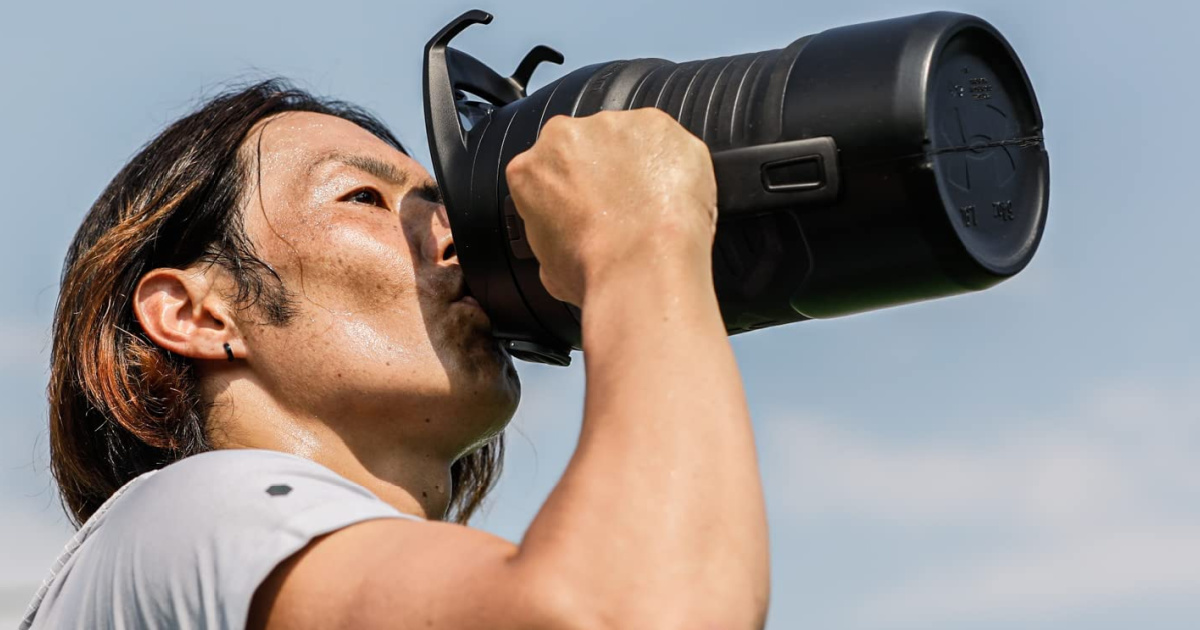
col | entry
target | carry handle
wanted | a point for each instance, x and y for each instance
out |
(785, 175)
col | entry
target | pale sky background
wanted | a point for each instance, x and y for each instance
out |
(1022, 458)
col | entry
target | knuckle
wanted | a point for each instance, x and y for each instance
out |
(518, 166)
(605, 121)
(659, 117)
(560, 130)
(557, 125)
(521, 172)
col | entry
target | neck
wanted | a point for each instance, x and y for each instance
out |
(412, 481)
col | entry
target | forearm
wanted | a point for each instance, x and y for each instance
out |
(660, 512)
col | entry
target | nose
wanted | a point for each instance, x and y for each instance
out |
(427, 226)
(446, 251)
(445, 248)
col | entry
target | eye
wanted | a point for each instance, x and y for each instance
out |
(368, 196)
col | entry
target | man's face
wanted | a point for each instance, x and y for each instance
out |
(354, 230)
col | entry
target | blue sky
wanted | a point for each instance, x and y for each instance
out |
(1019, 458)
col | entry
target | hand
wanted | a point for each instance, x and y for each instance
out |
(615, 194)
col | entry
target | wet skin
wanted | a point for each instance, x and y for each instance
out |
(388, 372)
(355, 230)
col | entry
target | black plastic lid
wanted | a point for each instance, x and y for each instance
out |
(985, 146)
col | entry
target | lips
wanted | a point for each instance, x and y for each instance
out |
(460, 290)
(463, 294)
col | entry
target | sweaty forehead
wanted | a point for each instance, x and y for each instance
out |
(288, 143)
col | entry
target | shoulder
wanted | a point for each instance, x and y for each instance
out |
(232, 498)
(225, 488)
(231, 516)
(193, 541)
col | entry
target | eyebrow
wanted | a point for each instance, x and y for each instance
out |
(386, 171)
(370, 165)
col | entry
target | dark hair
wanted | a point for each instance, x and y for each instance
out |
(119, 404)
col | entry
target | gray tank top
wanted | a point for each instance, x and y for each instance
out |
(187, 546)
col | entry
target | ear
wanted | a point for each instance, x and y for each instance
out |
(181, 311)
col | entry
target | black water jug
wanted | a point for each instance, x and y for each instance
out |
(863, 167)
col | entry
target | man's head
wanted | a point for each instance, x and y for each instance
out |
(297, 233)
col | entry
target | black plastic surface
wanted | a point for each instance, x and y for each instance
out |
(860, 168)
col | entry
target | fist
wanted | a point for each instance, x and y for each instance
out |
(613, 194)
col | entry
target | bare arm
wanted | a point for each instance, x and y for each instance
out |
(660, 508)
(658, 521)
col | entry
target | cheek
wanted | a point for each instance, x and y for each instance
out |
(360, 323)
(351, 267)
(360, 316)
(375, 269)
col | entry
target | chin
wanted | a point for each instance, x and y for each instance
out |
(486, 413)
(482, 377)
(488, 382)
(502, 392)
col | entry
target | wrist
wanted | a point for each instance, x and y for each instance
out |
(650, 297)
(660, 273)
(667, 255)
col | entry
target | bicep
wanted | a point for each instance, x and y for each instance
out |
(407, 574)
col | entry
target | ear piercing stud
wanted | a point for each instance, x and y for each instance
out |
(228, 352)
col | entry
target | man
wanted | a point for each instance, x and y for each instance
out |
(270, 392)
